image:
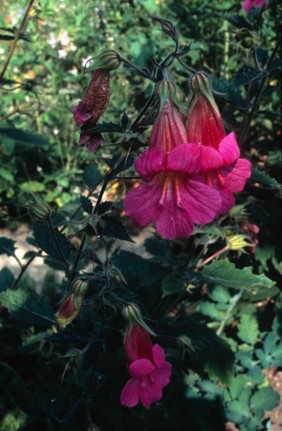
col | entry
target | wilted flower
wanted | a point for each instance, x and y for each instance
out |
(149, 371)
(249, 4)
(220, 162)
(174, 196)
(91, 107)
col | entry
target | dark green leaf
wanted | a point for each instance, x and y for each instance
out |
(28, 306)
(264, 179)
(46, 241)
(104, 207)
(7, 246)
(91, 176)
(124, 121)
(228, 91)
(86, 204)
(6, 279)
(237, 21)
(219, 294)
(104, 127)
(172, 283)
(247, 74)
(113, 227)
(264, 399)
(20, 135)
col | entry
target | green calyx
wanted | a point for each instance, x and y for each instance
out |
(201, 86)
(133, 315)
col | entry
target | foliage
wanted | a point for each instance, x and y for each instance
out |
(215, 310)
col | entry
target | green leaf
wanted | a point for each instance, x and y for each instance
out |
(91, 176)
(28, 306)
(20, 135)
(7, 246)
(228, 91)
(6, 175)
(6, 279)
(105, 207)
(114, 228)
(247, 74)
(172, 283)
(264, 179)
(264, 399)
(86, 204)
(237, 21)
(248, 330)
(46, 241)
(224, 273)
(32, 186)
(219, 294)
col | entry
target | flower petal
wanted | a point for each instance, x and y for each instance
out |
(235, 179)
(142, 203)
(227, 200)
(201, 201)
(184, 158)
(140, 368)
(162, 374)
(228, 149)
(173, 222)
(150, 162)
(129, 396)
(150, 393)
(159, 355)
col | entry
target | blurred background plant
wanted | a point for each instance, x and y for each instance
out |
(212, 299)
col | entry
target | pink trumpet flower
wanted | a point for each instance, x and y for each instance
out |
(149, 371)
(174, 196)
(221, 166)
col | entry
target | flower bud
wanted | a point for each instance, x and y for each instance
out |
(68, 310)
(133, 314)
(204, 119)
(107, 60)
(166, 89)
(116, 275)
(37, 208)
(79, 287)
(237, 242)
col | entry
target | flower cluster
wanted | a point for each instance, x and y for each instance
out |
(191, 170)
(148, 370)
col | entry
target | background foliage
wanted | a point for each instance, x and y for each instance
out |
(220, 323)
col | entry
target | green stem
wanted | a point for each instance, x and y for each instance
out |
(17, 36)
(233, 302)
(137, 69)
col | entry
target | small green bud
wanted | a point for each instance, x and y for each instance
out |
(38, 209)
(79, 287)
(133, 314)
(107, 60)
(116, 275)
(237, 242)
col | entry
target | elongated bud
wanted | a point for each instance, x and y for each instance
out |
(116, 275)
(37, 208)
(78, 287)
(238, 212)
(69, 309)
(238, 242)
(133, 315)
(204, 119)
(107, 60)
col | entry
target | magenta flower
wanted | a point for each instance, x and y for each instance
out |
(91, 107)
(249, 4)
(221, 166)
(149, 371)
(174, 196)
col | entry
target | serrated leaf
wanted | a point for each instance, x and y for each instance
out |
(91, 176)
(6, 279)
(20, 135)
(172, 283)
(28, 306)
(264, 179)
(113, 227)
(104, 127)
(264, 399)
(248, 330)
(86, 204)
(45, 240)
(237, 21)
(7, 246)
(247, 74)
(224, 273)
(228, 91)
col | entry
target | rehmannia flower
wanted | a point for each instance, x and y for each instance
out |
(221, 166)
(69, 309)
(249, 4)
(148, 370)
(91, 107)
(174, 197)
